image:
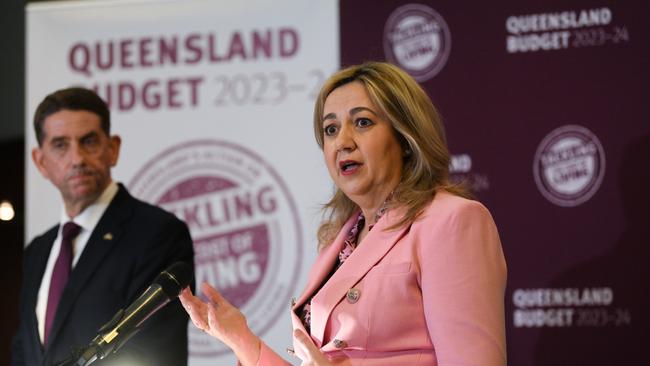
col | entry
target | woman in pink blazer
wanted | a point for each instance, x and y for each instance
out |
(410, 271)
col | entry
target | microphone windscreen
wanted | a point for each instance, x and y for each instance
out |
(175, 278)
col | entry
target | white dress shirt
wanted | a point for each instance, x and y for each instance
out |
(87, 219)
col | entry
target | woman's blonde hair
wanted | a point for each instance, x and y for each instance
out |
(418, 129)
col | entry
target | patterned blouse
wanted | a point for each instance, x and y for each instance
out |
(351, 242)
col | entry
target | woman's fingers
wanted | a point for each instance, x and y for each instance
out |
(212, 294)
(304, 342)
(301, 337)
(187, 298)
(190, 301)
(196, 308)
(184, 297)
(213, 320)
(313, 355)
(220, 319)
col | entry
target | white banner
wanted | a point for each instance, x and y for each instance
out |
(214, 102)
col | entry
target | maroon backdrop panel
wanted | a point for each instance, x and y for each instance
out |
(546, 106)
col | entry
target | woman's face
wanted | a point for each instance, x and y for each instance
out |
(360, 146)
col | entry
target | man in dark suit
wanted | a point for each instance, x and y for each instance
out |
(106, 251)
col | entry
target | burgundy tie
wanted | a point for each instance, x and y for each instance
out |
(60, 274)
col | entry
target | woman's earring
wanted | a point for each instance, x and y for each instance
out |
(407, 152)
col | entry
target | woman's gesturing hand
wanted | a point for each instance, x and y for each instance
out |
(309, 353)
(222, 320)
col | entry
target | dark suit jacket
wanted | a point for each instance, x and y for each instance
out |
(131, 244)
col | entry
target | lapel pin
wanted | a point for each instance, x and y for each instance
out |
(108, 236)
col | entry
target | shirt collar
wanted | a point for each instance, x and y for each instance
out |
(90, 216)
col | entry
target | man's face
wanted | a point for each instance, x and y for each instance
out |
(76, 156)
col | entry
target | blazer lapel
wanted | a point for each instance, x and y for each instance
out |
(319, 272)
(370, 251)
(324, 264)
(98, 246)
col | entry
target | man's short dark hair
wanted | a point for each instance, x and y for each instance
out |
(75, 99)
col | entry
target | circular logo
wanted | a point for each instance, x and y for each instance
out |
(417, 39)
(244, 223)
(569, 165)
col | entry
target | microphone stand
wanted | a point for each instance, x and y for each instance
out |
(94, 352)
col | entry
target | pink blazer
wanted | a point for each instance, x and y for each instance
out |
(431, 293)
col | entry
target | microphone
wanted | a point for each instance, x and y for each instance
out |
(126, 323)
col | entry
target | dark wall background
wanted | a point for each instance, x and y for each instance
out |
(12, 95)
